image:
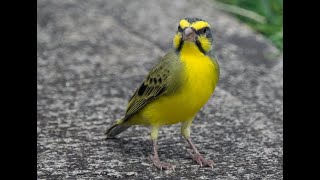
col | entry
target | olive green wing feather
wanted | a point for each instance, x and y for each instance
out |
(163, 79)
(215, 63)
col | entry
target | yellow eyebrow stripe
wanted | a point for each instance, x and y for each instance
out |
(199, 25)
(184, 23)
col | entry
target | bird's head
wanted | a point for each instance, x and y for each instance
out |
(193, 32)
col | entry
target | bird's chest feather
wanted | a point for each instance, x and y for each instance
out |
(199, 77)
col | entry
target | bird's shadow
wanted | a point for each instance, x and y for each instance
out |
(138, 147)
(131, 147)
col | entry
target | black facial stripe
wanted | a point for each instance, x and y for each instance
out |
(180, 45)
(197, 43)
(200, 47)
(180, 29)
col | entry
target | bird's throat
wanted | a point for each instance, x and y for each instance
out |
(190, 49)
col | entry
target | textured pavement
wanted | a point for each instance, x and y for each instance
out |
(92, 55)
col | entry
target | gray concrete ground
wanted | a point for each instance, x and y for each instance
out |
(93, 54)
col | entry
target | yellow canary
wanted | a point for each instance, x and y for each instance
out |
(176, 88)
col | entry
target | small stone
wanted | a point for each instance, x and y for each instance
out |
(131, 173)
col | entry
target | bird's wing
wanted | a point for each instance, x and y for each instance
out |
(216, 64)
(163, 79)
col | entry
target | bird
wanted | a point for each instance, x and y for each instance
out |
(175, 89)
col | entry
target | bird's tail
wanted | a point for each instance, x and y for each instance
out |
(116, 129)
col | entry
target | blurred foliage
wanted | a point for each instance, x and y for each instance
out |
(270, 10)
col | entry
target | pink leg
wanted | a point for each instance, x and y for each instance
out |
(196, 156)
(156, 161)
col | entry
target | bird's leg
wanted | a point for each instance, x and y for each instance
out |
(155, 158)
(156, 161)
(196, 156)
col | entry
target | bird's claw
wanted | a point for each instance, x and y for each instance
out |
(160, 164)
(200, 160)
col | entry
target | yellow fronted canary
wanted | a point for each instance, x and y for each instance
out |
(176, 88)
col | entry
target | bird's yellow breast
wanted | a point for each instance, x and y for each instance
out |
(199, 76)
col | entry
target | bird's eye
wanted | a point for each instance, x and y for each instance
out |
(205, 30)
(179, 29)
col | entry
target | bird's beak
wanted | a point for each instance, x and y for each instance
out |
(189, 34)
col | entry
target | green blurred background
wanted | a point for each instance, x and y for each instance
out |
(264, 16)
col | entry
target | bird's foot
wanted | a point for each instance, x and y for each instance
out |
(200, 160)
(160, 164)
